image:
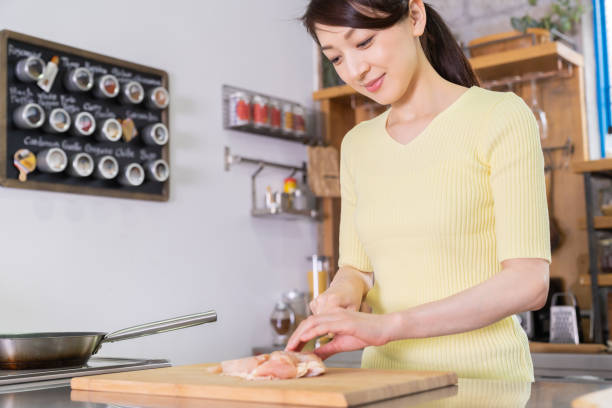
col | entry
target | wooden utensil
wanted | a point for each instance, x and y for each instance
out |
(339, 387)
(25, 161)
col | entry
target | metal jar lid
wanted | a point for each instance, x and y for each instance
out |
(132, 92)
(107, 86)
(107, 168)
(30, 69)
(132, 175)
(155, 134)
(84, 124)
(110, 131)
(29, 116)
(52, 160)
(79, 79)
(81, 165)
(58, 121)
(158, 98)
(158, 170)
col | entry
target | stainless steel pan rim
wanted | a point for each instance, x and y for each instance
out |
(50, 335)
(61, 349)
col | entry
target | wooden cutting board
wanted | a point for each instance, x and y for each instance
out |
(339, 387)
(599, 399)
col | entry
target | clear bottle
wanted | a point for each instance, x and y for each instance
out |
(282, 319)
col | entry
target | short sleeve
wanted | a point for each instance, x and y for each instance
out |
(351, 251)
(512, 150)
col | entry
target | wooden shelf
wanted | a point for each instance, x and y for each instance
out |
(585, 348)
(519, 61)
(601, 165)
(333, 92)
(603, 279)
(599, 222)
(541, 57)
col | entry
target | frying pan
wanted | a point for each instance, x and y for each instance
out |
(47, 350)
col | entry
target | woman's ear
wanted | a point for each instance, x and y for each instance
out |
(418, 17)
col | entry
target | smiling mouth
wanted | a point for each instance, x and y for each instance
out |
(373, 81)
(373, 86)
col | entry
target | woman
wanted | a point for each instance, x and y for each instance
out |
(444, 222)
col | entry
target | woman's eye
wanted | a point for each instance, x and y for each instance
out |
(335, 60)
(366, 42)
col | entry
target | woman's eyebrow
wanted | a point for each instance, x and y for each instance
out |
(346, 37)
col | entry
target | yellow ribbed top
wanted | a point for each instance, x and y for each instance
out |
(436, 216)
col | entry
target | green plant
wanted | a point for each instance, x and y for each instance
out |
(564, 16)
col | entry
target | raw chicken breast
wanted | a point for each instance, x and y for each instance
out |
(279, 365)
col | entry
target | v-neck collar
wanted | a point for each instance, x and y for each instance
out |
(427, 128)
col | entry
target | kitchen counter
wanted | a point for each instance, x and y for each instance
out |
(469, 393)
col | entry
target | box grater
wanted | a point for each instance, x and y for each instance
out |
(563, 320)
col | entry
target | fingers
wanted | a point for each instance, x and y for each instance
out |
(315, 326)
(294, 343)
(329, 301)
(327, 350)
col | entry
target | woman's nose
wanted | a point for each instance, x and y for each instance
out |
(357, 69)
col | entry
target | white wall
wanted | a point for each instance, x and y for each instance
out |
(71, 262)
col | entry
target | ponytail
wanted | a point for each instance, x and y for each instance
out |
(443, 52)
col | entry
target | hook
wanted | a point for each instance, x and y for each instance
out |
(259, 169)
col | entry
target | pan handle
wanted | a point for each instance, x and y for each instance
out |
(161, 326)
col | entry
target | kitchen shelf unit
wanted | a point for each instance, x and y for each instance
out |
(311, 119)
(280, 212)
(598, 282)
(560, 92)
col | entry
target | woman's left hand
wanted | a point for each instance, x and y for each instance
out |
(351, 330)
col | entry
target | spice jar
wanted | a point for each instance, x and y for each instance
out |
(158, 170)
(29, 116)
(30, 69)
(110, 131)
(107, 86)
(79, 80)
(275, 116)
(106, 168)
(132, 175)
(155, 134)
(158, 98)
(260, 112)
(58, 122)
(282, 319)
(239, 109)
(81, 165)
(287, 119)
(84, 124)
(52, 160)
(132, 93)
(289, 185)
(299, 121)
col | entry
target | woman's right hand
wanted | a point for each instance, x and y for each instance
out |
(336, 298)
(345, 292)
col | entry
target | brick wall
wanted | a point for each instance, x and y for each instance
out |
(469, 19)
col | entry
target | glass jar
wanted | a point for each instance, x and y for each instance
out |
(298, 302)
(318, 276)
(282, 319)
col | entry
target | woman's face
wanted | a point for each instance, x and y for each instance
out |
(379, 64)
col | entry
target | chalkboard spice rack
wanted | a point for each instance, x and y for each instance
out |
(14, 92)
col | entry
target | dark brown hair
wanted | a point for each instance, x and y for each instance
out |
(439, 45)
